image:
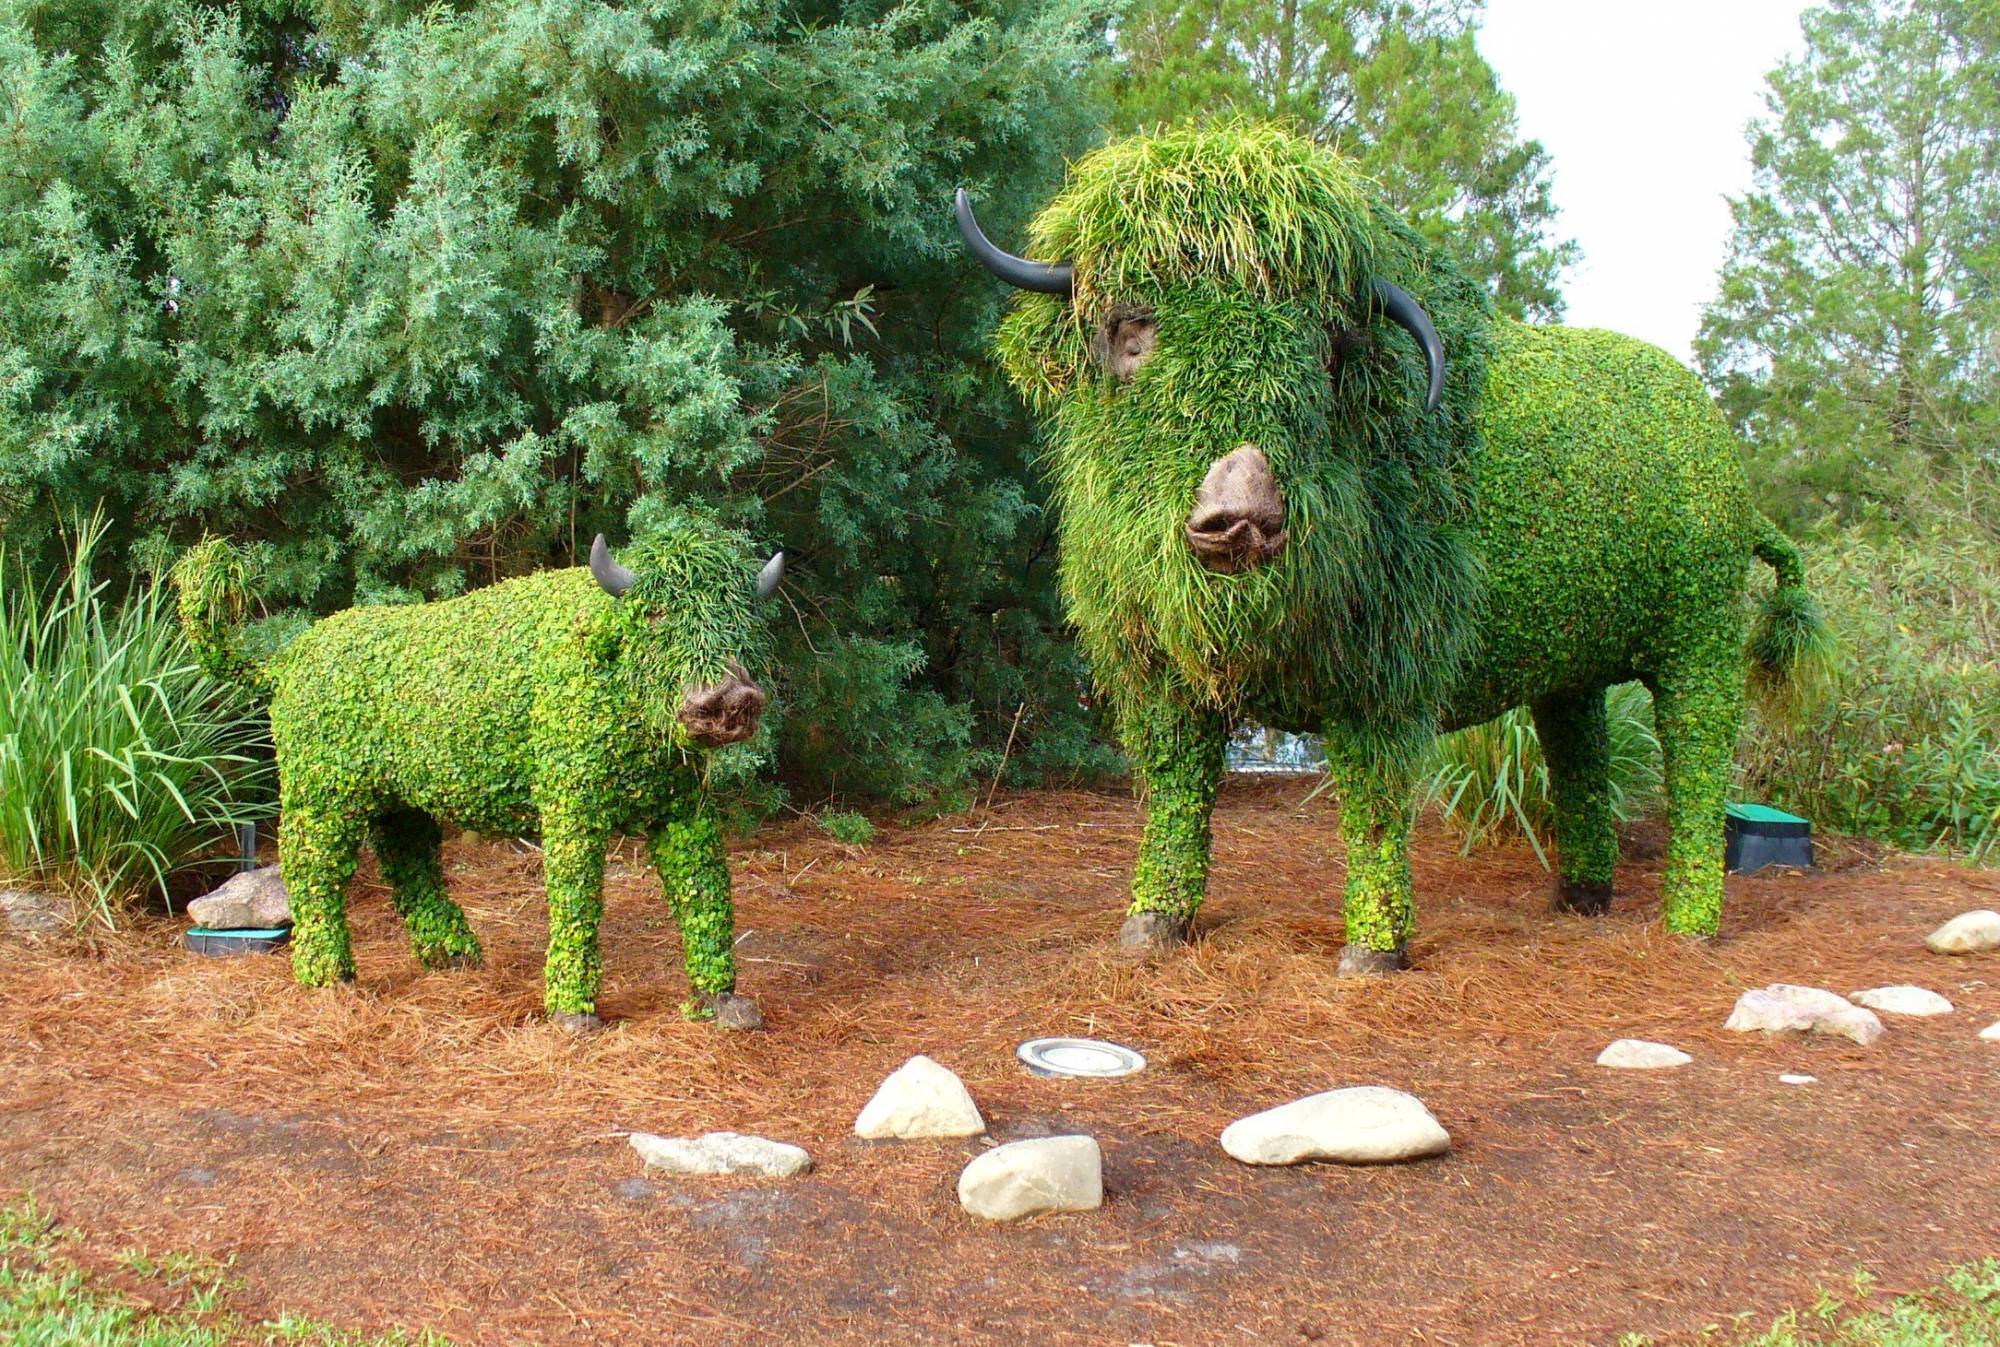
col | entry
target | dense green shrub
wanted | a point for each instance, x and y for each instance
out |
(1903, 742)
(121, 762)
(412, 297)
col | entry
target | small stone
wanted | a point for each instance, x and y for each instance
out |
(1967, 933)
(1783, 1007)
(1991, 1033)
(1636, 1054)
(1025, 1178)
(920, 1098)
(1794, 1078)
(1903, 1001)
(721, 1153)
(1364, 1125)
(31, 913)
(251, 900)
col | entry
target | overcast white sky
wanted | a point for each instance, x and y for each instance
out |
(1642, 104)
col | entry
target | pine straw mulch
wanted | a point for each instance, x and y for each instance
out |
(421, 1150)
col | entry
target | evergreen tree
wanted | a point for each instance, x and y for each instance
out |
(1399, 85)
(1854, 337)
(414, 296)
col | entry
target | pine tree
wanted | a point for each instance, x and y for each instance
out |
(1853, 340)
(413, 297)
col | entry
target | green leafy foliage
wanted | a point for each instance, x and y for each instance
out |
(1400, 88)
(187, 1301)
(122, 763)
(412, 297)
(1574, 515)
(1901, 738)
(540, 706)
(846, 826)
(1963, 1310)
(1491, 781)
(1852, 340)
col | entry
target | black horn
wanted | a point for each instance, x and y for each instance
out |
(1047, 278)
(1399, 307)
(610, 576)
(771, 576)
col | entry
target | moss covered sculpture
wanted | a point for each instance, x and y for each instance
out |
(573, 705)
(1308, 478)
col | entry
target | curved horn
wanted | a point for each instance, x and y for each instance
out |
(1047, 278)
(610, 576)
(1397, 305)
(771, 576)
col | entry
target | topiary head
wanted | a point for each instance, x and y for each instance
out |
(1246, 398)
(685, 629)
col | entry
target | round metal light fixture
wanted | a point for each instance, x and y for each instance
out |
(1079, 1057)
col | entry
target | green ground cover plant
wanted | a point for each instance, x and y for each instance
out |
(122, 762)
(48, 1300)
(1962, 1310)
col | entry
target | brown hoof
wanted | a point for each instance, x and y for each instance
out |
(572, 1023)
(1359, 961)
(729, 1011)
(1584, 897)
(1151, 933)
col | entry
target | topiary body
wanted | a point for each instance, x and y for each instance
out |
(1572, 514)
(539, 707)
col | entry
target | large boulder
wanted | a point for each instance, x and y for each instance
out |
(721, 1153)
(1025, 1178)
(920, 1098)
(1363, 1125)
(1967, 933)
(251, 900)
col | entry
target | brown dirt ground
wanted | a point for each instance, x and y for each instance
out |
(419, 1150)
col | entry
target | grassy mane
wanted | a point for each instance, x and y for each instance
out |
(1256, 249)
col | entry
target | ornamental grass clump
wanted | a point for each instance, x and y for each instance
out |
(122, 762)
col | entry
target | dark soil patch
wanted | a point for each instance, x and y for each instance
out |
(422, 1150)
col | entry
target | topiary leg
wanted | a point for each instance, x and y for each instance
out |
(694, 871)
(1697, 711)
(573, 873)
(407, 846)
(1179, 756)
(1379, 906)
(1576, 744)
(317, 848)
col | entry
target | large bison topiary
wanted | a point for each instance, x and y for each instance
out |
(1306, 476)
(573, 705)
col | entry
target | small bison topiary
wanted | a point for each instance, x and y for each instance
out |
(573, 705)
(1307, 476)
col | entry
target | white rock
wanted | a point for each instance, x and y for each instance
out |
(1783, 1007)
(920, 1098)
(1991, 1033)
(1794, 1078)
(1024, 1178)
(1364, 1125)
(1967, 933)
(1903, 1001)
(1636, 1054)
(721, 1153)
(252, 899)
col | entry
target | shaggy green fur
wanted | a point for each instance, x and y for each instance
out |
(1574, 515)
(540, 706)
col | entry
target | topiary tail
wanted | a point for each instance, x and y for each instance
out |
(1791, 643)
(209, 577)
